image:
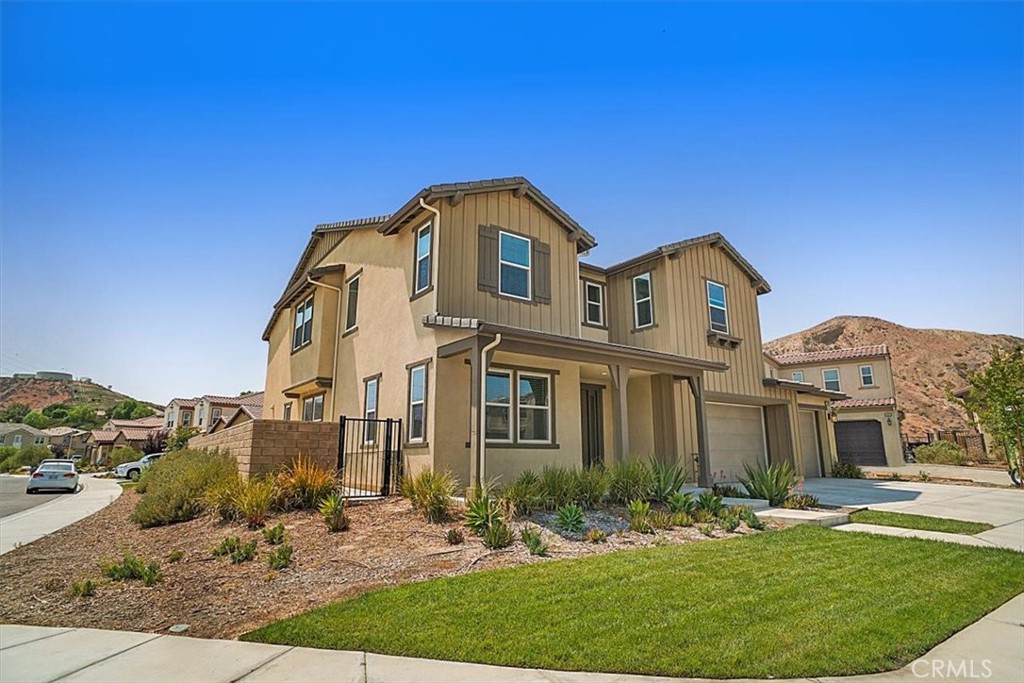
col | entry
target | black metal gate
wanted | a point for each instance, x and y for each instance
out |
(369, 456)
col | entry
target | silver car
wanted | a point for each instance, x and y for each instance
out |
(53, 474)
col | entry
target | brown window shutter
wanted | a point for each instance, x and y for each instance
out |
(541, 272)
(487, 259)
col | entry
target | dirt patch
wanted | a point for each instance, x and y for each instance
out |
(388, 544)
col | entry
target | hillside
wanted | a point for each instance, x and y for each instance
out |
(925, 362)
(39, 393)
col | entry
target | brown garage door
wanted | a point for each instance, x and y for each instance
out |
(860, 442)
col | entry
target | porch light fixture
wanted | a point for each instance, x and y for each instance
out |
(888, 419)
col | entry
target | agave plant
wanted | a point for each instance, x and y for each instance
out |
(709, 503)
(570, 518)
(668, 478)
(681, 502)
(332, 510)
(773, 483)
(482, 513)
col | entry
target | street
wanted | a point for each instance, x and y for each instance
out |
(14, 499)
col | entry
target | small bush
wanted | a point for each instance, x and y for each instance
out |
(630, 480)
(702, 516)
(681, 502)
(659, 519)
(682, 519)
(227, 546)
(940, 453)
(274, 535)
(728, 491)
(455, 537)
(235, 550)
(707, 529)
(569, 517)
(13, 459)
(131, 568)
(710, 503)
(591, 486)
(639, 515)
(750, 518)
(431, 493)
(280, 558)
(800, 501)
(123, 454)
(332, 510)
(253, 500)
(524, 494)
(304, 483)
(482, 513)
(596, 535)
(220, 498)
(82, 589)
(730, 521)
(533, 541)
(176, 484)
(772, 483)
(847, 470)
(175, 556)
(559, 486)
(666, 479)
(497, 536)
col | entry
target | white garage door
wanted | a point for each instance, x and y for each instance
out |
(809, 442)
(736, 436)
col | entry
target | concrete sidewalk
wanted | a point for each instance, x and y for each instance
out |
(981, 475)
(34, 654)
(26, 526)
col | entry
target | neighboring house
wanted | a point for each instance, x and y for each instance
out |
(469, 315)
(73, 441)
(17, 435)
(240, 416)
(180, 412)
(867, 425)
(209, 409)
(152, 422)
(99, 444)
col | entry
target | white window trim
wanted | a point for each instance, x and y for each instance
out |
(599, 288)
(348, 297)
(423, 401)
(286, 411)
(300, 312)
(17, 441)
(312, 408)
(638, 301)
(546, 409)
(824, 382)
(871, 371)
(512, 401)
(723, 309)
(528, 268)
(430, 252)
(793, 376)
(367, 413)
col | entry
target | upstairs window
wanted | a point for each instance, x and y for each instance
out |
(514, 273)
(424, 240)
(303, 333)
(353, 304)
(867, 376)
(594, 303)
(717, 313)
(312, 409)
(830, 378)
(217, 412)
(418, 403)
(186, 418)
(643, 303)
(798, 375)
(287, 411)
(370, 411)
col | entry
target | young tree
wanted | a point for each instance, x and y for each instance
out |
(56, 411)
(82, 416)
(130, 409)
(178, 440)
(155, 442)
(997, 398)
(37, 419)
(15, 412)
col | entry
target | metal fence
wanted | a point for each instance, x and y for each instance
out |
(369, 456)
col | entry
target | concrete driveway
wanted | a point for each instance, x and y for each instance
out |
(1002, 508)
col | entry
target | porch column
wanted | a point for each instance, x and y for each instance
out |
(620, 410)
(703, 460)
(665, 409)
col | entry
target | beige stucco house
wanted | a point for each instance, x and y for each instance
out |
(18, 435)
(70, 440)
(180, 412)
(867, 428)
(470, 314)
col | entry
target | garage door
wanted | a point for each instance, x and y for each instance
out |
(860, 442)
(735, 437)
(809, 441)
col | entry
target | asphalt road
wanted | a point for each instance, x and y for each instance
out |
(14, 499)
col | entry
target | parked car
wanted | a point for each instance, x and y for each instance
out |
(132, 470)
(46, 462)
(53, 474)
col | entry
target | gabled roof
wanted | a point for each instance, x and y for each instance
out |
(715, 239)
(253, 399)
(832, 354)
(185, 402)
(142, 423)
(63, 431)
(8, 427)
(454, 192)
(137, 433)
(103, 435)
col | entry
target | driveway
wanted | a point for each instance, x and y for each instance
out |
(14, 499)
(1002, 508)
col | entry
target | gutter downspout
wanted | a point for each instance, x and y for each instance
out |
(337, 338)
(434, 251)
(482, 433)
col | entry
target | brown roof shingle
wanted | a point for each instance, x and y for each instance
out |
(865, 403)
(832, 354)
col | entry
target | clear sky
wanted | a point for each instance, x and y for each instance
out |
(163, 165)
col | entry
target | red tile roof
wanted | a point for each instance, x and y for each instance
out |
(137, 433)
(832, 354)
(140, 423)
(185, 402)
(865, 403)
(253, 399)
(103, 436)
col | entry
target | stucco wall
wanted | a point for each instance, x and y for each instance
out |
(263, 446)
(849, 376)
(890, 433)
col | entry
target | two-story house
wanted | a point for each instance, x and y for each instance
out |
(867, 425)
(469, 314)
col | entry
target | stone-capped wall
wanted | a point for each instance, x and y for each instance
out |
(262, 446)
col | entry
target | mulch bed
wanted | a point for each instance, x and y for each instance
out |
(388, 544)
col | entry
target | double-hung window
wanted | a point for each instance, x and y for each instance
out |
(217, 412)
(370, 410)
(534, 408)
(798, 375)
(353, 304)
(186, 418)
(518, 407)
(514, 266)
(830, 378)
(313, 408)
(17, 441)
(303, 333)
(40, 440)
(498, 409)
(717, 313)
(867, 376)
(287, 411)
(594, 303)
(418, 403)
(424, 240)
(643, 303)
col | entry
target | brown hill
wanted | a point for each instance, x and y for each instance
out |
(39, 393)
(925, 363)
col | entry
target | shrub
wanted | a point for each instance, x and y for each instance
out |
(639, 515)
(481, 513)
(533, 541)
(280, 558)
(178, 439)
(727, 491)
(12, 459)
(558, 486)
(498, 535)
(596, 535)
(707, 529)
(940, 453)
(431, 493)
(304, 483)
(772, 483)
(630, 480)
(274, 535)
(847, 470)
(220, 498)
(235, 550)
(332, 510)
(659, 519)
(681, 502)
(455, 537)
(524, 494)
(82, 589)
(175, 556)
(227, 546)
(730, 521)
(569, 517)
(710, 503)
(123, 454)
(131, 568)
(591, 486)
(666, 479)
(702, 516)
(681, 519)
(253, 499)
(800, 501)
(177, 483)
(750, 518)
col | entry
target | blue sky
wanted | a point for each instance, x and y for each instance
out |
(164, 164)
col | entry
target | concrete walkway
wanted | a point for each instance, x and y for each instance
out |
(34, 654)
(979, 474)
(24, 527)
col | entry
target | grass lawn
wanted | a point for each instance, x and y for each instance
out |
(805, 601)
(907, 521)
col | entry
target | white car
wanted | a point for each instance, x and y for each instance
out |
(132, 470)
(53, 474)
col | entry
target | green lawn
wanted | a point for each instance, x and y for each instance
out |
(906, 521)
(801, 602)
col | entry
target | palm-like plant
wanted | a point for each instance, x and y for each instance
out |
(773, 483)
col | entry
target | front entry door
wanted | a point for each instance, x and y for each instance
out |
(592, 423)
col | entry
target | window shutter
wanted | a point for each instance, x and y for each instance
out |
(487, 259)
(541, 272)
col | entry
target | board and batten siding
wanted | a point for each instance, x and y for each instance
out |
(459, 292)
